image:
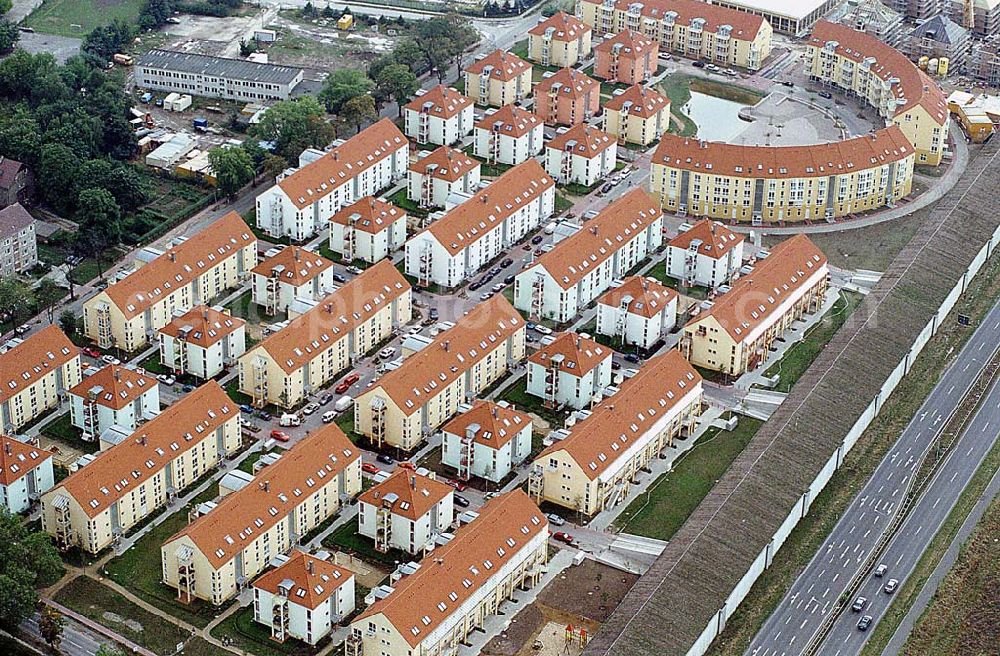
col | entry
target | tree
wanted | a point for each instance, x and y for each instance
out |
(359, 110)
(58, 166)
(67, 321)
(444, 39)
(100, 221)
(342, 85)
(9, 35)
(47, 296)
(410, 53)
(50, 625)
(108, 650)
(154, 14)
(15, 298)
(398, 82)
(293, 126)
(27, 561)
(247, 48)
(328, 11)
(233, 169)
(309, 11)
(5, 6)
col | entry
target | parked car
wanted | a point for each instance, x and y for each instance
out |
(247, 409)
(354, 271)
(530, 325)
(508, 280)
(859, 604)
(326, 398)
(606, 188)
(262, 414)
(387, 352)
(485, 296)
(537, 239)
(187, 389)
(864, 623)
(497, 288)
(506, 263)
(433, 314)
(106, 359)
(787, 83)
(825, 94)
(890, 586)
(560, 536)
(473, 286)
(461, 501)
(92, 352)
(281, 436)
(881, 570)
(457, 484)
(632, 357)
(167, 379)
(370, 468)
(555, 519)
(698, 64)
(339, 278)
(526, 247)
(310, 408)
(346, 383)
(329, 416)
(384, 459)
(542, 330)
(408, 465)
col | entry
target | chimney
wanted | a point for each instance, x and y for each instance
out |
(413, 481)
(6, 445)
(267, 486)
(309, 565)
(173, 256)
(295, 253)
(204, 313)
(118, 374)
(336, 156)
(328, 308)
(485, 198)
(142, 439)
(446, 344)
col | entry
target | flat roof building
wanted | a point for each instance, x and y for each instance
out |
(793, 17)
(214, 77)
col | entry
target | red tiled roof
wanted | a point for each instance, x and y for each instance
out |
(578, 355)
(441, 101)
(34, 358)
(370, 214)
(306, 580)
(407, 494)
(18, 458)
(566, 27)
(633, 44)
(513, 121)
(298, 266)
(716, 239)
(505, 65)
(447, 164)
(571, 83)
(202, 326)
(648, 296)
(745, 25)
(643, 102)
(118, 386)
(587, 142)
(496, 424)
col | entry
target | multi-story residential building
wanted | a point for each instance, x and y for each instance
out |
(689, 28)
(561, 282)
(370, 230)
(592, 468)
(303, 598)
(215, 77)
(794, 18)
(95, 505)
(638, 312)
(560, 40)
(16, 182)
(113, 396)
(885, 79)
(637, 115)
(25, 474)
(35, 375)
(500, 78)
(301, 203)
(202, 342)
(407, 511)
(984, 60)
(441, 173)
(628, 57)
(581, 155)
(440, 116)
(510, 135)
(291, 273)
(316, 346)
(915, 10)
(707, 254)
(981, 17)
(567, 97)
(782, 183)
(736, 332)
(570, 371)
(411, 402)
(220, 552)
(938, 37)
(437, 607)
(488, 441)
(473, 234)
(128, 313)
(871, 17)
(18, 246)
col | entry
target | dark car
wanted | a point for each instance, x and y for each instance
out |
(475, 285)
(508, 280)
(606, 188)
(631, 357)
(247, 409)
(698, 64)
(537, 239)
(433, 314)
(266, 416)
(384, 459)
(461, 501)
(864, 623)
(326, 398)
(339, 278)
(506, 263)
(825, 94)
(788, 83)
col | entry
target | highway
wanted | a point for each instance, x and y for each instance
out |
(814, 594)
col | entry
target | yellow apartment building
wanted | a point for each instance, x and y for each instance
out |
(95, 505)
(757, 184)
(500, 78)
(736, 333)
(883, 77)
(560, 40)
(221, 552)
(592, 468)
(35, 376)
(689, 28)
(411, 402)
(638, 115)
(316, 346)
(128, 313)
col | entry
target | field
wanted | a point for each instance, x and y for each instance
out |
(78, 17)
(255, 638)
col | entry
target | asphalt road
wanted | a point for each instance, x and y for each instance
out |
(813, 596)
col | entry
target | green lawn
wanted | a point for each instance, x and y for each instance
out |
(673, 496)
(403, 202)
(800, 355)
(518, 395)
(255, 638)
(62, 430)
(78, 17)
(521, 49)
(659, 271)
(561, 203)
(346, 538)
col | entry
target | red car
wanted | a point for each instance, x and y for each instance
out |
(561, 536)
(370, 468)
(408, 465)
(457, 484)
(280, 436)
(92, 352)
(346, 383)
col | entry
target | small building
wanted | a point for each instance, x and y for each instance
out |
(18, 241)
(581, 155)
(25, 474)
(707, 254)
(345, 22)
(172, 151)
(936, 38)
(560, 40)
(487, 441)
(114, 396)
(370, 230)
(567, 97)
(572, 370)
(637, 115)
(972, 115)
(292, 273)
(407, 511)
(629, 57)
(510, 135)
(440, 116)
(638, 312)
(35, 375)
(215, 77)
(500, 78)
(17, 185)
(202, 342)
(303, 598)
(435, 176)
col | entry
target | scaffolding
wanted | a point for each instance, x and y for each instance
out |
(378, 421)
(272, 290)
(552, 371)
(427, 187)
(91, 422)
(354, 645)
(622, 318)
(275, 216)
(279, 617)
(258, 387)
(105, 338)
(493, 147)
(383, 528)
(65, 536)
(350, 236)
(547, 46)
(467, 451)
(566, 164)
(424, 265)
(424, 123)
(537, 296)
(613, 70)
(185, 575)
(536, 483)
(691, 263)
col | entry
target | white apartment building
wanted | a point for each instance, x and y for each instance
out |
(35, 374)
(18, 244)
(437, 175)
(407, 511)
(440, 116)
(571, 371)
(301, 203)
(128, 313)
(303, 598)
(471, 235)
(581, 155)
(370, 230)
(220, 552)
(581, 267)
(114, 396)
(25, 474)
(97, 504)
(215, 77)
(509, 135)
(638, 312)
(499, 78)
(436, 608)
(707, 254)
(488, 441)
(292, 273)
(202, 342)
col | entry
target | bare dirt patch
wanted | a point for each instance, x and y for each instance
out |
(591, 590)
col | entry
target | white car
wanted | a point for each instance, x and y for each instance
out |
(310, 408)
(542, 330)
(110, 359)
(166, 379)
(387, 352)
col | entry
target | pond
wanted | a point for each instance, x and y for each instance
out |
(717, 118)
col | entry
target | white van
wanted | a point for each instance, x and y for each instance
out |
(289, 420)
(329, 416)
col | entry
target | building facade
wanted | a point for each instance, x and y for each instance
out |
(369, 230)
(486, 441)
(202, 342)
(639, 312)
(510, 135)
(114, 396)
(215, 77)
(984, 60)
(871, 17)
(440, 116)
(707, 254)
(292, 273)
(638, 115)
(559, 40)
(571, 371)
(628, 57)
(439, 174)
(37, 373)
(581, 155)
(16, 182)
(936, 38)
(500, 78)
(407, 511)
(18, 242)
(25, 474)
(567, 97)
